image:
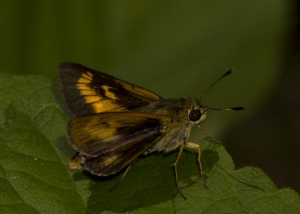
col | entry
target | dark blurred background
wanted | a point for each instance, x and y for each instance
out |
(177, 49)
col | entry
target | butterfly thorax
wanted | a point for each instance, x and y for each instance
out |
(183, 113)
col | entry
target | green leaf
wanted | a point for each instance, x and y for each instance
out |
(35, 178)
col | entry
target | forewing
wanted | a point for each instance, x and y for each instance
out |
(87, 91)
(111, 141)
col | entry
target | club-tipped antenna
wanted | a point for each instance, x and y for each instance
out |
(228, 109)
(226, 74)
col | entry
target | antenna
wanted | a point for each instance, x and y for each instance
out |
(228, 109)
(222, 109)
(226, 74)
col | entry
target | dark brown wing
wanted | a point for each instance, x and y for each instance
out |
(111, 141)
(87, 91)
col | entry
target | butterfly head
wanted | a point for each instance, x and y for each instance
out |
(197, 113)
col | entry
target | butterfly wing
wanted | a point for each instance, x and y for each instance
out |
(110, 141)
(87, 91)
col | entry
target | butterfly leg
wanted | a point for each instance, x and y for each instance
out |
(175, 168)
(209, 138)
(119, 181)
(191, 145)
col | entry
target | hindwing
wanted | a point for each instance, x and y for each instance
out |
(110, 141)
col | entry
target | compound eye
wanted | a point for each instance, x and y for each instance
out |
(194, 115)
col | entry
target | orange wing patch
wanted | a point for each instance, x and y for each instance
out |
(108, 93)
(99, 103)
(86, 78)
(139, 91)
